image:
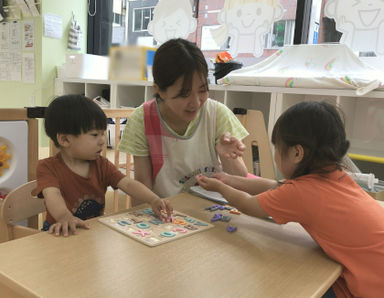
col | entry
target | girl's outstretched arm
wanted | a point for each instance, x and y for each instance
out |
(239, 199)
(253, 186)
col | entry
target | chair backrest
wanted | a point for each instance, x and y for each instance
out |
(117, 114)
(18, 205)
(33, 140)
(253, 121)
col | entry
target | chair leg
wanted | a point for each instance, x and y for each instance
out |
(115, 200)
(5, 232)
(33, 222)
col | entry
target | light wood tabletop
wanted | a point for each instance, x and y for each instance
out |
(260, 259)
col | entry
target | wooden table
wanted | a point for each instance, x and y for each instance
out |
(261, 259)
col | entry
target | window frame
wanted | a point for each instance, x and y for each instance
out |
(268, 37)
(151, 9)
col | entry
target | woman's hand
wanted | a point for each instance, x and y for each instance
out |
(229, 146)
(162, 209)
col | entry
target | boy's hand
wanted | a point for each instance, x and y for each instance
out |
(162, 209)
(211, 184)
(229, 146)
(66, 223)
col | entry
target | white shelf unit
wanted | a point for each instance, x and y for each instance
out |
(364, 116)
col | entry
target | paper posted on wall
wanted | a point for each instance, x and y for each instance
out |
(53, 26)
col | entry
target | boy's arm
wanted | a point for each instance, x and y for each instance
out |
(56, 206)
(251, 186)
(241, 200)
(138, 190)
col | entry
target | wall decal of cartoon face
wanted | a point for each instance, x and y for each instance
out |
(172, 19)
(246, 22)
(360, 21)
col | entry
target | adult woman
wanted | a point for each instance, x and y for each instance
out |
(181, 133)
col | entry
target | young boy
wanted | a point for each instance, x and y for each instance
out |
(73, 182)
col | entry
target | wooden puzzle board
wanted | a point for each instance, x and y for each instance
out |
(144, 226)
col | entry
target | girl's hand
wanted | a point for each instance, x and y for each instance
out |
(211, 184)
(162, 209)
(66, 223)
(229, 146)
(222, 176)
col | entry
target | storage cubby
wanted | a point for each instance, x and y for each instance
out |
(92, 89)
(70, 88)
(366, 133)
(217, 93)
(149, 93)
(364, 116)
(129, 96)
(250, 100)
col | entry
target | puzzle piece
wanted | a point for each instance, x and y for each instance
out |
(231, 229)
(142, 233)
(223, 217)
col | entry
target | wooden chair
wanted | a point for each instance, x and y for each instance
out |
(32, 143)
(112, 154)
(253, 121)
(18, 205)
(128, 165)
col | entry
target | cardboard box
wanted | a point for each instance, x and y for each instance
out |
(86, 66)
(131, 63)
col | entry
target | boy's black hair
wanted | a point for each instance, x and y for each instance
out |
(73, 114)
(318, 127)
(178, 58)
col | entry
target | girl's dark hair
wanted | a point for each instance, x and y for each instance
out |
(73, 114)
(176, 58)
(318, 127)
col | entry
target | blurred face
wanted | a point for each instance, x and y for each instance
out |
(286, 163)
(86, 146)
(178, 108)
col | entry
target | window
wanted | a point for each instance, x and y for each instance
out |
(117, 19)
(363, 31)
(281, 34)
(207, 42)
(142, 17)
(130, 21)
(278, 16)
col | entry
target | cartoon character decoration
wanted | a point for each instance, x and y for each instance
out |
(360, 21)
(3, 158)
(246, 22)
(172, 19)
